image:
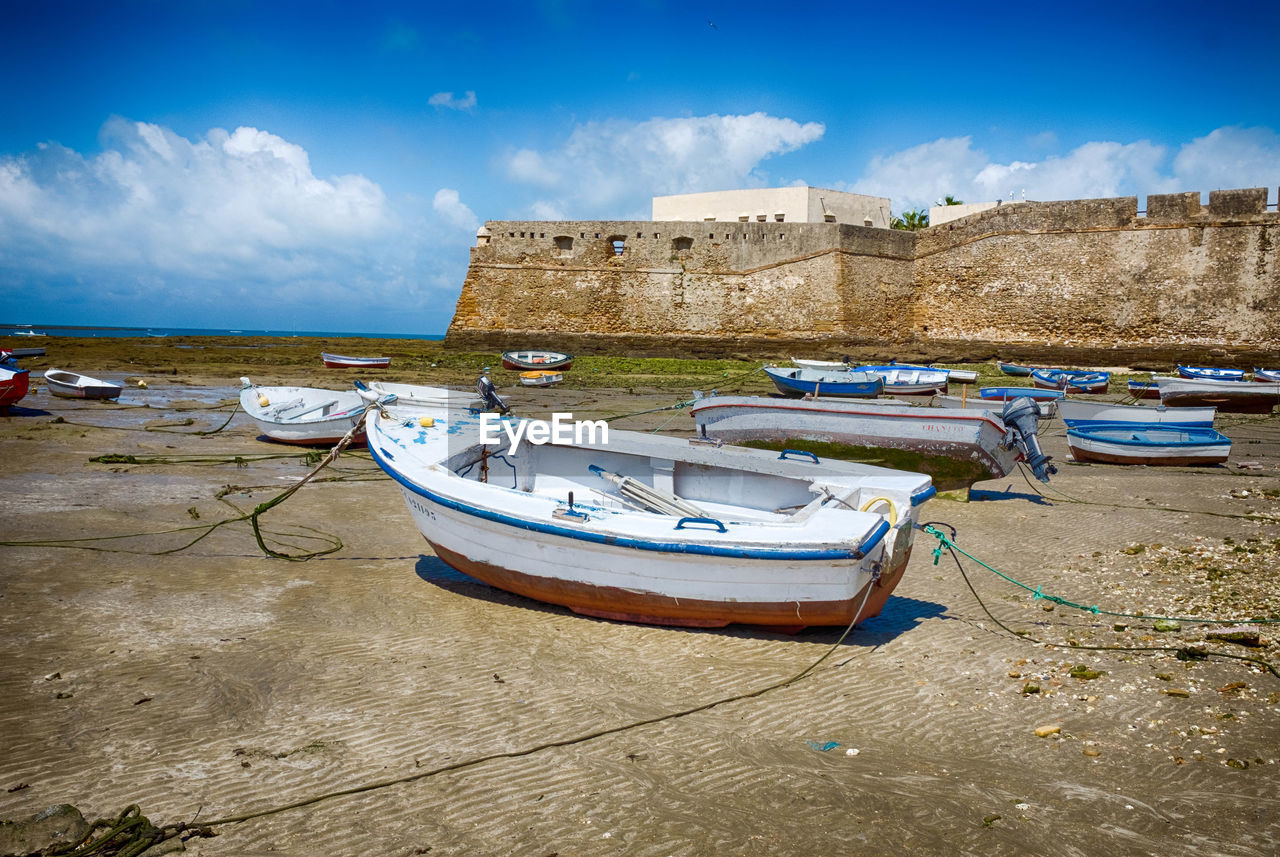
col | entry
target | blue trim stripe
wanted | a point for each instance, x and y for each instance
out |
(867, 545)
(920, 496)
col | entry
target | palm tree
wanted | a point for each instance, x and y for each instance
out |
(951, 200)
(911, 220)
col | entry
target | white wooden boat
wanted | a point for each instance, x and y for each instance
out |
(314, 416)
(1241, 397)
(1127, 443)
(1078, 412)
(908, 380)
(649, 528)
(820, 364)
(976, 436)
(73, 385)
(1266, 374)
(303, 415)
(962, 376)
(541, 378)
(1045, 408)
(341, 361)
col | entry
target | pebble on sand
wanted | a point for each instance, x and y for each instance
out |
(1046, 731)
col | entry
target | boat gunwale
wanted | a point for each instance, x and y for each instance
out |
(869, 542)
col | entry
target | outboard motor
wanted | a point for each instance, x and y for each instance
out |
(490, 395)
(1022, 416)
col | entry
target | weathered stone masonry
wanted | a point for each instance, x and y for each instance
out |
(1078, 277)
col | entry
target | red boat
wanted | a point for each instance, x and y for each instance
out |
(14, 384)
(525, 361)
(339, 361)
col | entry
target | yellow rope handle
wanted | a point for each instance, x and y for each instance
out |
(893, 510)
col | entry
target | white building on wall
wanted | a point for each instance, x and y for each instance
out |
(775, 205)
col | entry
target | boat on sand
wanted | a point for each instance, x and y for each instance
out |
(648, 528)
(527, 361)
(341, 361)
(73, 385)
(1241, 397)
(1129, 443)
(979, 439)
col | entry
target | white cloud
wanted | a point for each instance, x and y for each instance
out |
(448, 101)
(1226, 158)
(452, 208)
(609, 168)
(232, 222)
(1230, 157)
(199, 207)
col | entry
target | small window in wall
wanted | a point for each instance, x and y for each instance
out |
(709, 219)
(780, 216)
(867, 222)
(743, 218)
(619, 244)
(681, 245)
(564, 243)
(829, 218)
(639, 234)
(762, 217)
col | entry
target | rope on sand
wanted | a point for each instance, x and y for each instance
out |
(204, 530)
(1183, 652)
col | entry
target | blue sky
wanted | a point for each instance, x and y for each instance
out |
(325, 165)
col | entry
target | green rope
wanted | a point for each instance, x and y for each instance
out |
(1183, 653)
(335, 543)
(1037, 593)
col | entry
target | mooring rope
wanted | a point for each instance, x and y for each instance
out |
(205, 530)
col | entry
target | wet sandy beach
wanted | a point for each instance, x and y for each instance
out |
(213, 681)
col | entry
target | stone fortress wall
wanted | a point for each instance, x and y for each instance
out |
(1076, 277)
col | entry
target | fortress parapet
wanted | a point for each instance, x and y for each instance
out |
(1097, 274)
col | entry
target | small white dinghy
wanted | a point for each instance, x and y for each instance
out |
(313, 416)
(72, 385)
(303, 415)
(646, 528)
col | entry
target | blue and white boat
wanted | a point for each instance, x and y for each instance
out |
(1014, 369)
(908, 380)
(1071, 380)
(1079, 412)
(1266, 374)
(640, 527)
(821, 382)
(1127, 443)
(1210, 373)
(1003, 394)
(1144, 389)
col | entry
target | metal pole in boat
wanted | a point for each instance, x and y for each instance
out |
(484, 464)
